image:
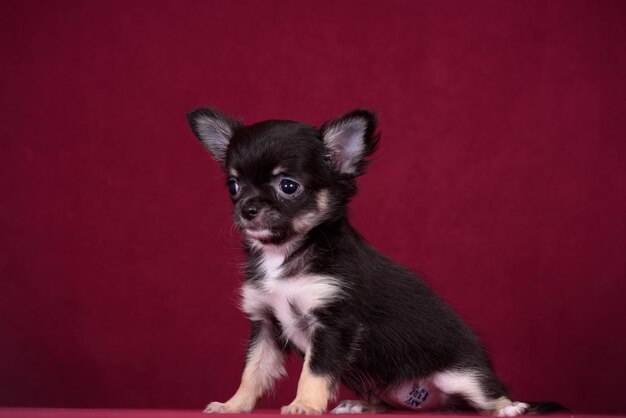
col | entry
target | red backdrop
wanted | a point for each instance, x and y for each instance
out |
(501, 176)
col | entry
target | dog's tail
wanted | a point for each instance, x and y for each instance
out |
(546, 407)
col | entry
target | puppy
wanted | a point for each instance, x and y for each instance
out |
(314, 286)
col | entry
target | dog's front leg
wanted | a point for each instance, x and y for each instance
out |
(264, 364)
(314, 390)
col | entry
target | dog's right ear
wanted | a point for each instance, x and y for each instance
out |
(213, 129)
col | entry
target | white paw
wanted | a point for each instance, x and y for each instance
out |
(350, 407)
(359, 407)
(513, 410)
(300, 408)
(221, 408)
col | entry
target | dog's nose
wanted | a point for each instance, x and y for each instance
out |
(249, 211)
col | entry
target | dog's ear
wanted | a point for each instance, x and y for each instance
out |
(213, 129)
(349, 139)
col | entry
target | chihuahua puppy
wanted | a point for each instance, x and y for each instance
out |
(313, 285)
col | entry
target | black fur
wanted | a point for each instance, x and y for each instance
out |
(388, 327)
(546, 407)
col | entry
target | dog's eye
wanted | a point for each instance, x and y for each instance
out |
(288, 186)
(233, 187)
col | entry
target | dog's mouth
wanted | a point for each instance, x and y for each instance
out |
(262, 229)
(262, 235)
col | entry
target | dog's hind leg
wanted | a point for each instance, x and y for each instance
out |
(481, 390)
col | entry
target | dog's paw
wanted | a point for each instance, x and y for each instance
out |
(300, 408)
(358, 407)
(220, 408)
(513, 410)
(350, 407)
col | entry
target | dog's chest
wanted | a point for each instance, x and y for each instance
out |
(290, 300)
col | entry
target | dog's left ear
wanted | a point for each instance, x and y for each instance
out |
(349, 139)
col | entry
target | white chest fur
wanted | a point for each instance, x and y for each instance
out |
(272, 261)
(291, 300)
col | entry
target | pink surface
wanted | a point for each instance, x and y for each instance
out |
(501, 175)
(127, 413)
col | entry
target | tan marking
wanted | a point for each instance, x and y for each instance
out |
(303, 224)
(314, 392)
(264, 365)
(504, 407)
(233, 172)
(322, 200)
(279, 169)
(501, 403)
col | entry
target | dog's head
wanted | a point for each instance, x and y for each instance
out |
(284, 177)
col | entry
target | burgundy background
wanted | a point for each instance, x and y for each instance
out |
(501, 176)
